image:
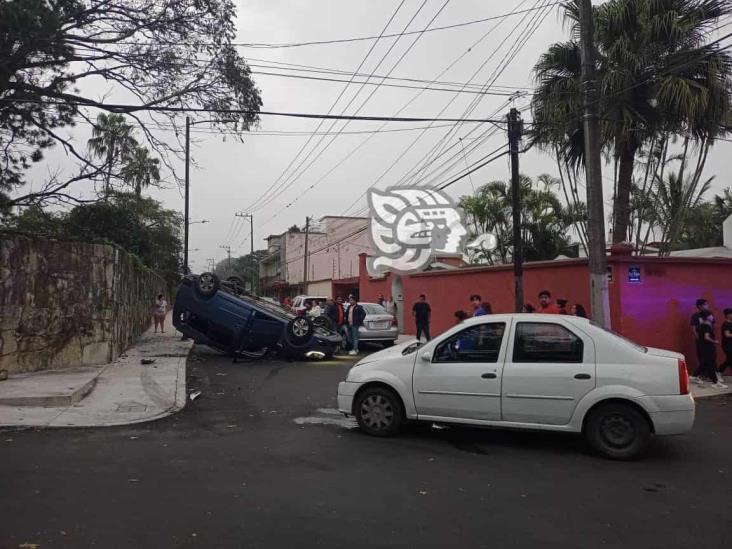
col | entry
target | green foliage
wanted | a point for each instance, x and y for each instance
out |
(702, 225)
(177, 54)
(139, 225)
(545, 220)
(242, 267)
(655, 76)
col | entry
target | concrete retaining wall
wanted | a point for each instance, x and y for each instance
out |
(66, 304)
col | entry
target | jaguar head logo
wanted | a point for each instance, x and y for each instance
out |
(409, 225)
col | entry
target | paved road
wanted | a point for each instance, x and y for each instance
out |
(260, 460)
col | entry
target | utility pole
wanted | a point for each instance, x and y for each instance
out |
(251, 255)
(188, 184)
(211, 264)
(515, 128)
(599, 298)
(228, 252)
(305, 257)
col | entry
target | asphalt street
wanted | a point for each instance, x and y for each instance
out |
(260, 459)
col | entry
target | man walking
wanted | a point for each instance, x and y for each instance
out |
(422, 312)
(702, 307)
(355, 317)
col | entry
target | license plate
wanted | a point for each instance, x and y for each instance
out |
(380, 325)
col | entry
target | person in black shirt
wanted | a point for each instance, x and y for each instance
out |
(707, 347)
(421, 312)
(702, 305)
(726, 338)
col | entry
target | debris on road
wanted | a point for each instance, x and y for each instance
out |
(195, 395)
(3, 375)
(148, 361)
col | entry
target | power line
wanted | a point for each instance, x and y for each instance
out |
(362, 38)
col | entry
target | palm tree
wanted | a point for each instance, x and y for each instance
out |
(113, 141)
(545, 221)
(141, 170)
(656, 77)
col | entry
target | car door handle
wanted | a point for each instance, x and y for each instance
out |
(582, 376)
(489, 375)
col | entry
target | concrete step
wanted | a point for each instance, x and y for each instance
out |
(49, 389)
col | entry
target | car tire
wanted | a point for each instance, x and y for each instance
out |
(207, 284)
(379, 412)
(323, 322)
(298, 332)
(389, 343)
(618, 431)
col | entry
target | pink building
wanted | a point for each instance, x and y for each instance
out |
(333, 246)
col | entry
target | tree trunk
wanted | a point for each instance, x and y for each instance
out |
(622, 199)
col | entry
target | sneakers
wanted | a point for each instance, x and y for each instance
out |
(719, 385)
(353, 352)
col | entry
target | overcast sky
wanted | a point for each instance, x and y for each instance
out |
(230, 175)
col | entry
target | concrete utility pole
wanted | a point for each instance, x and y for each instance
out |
(305, 257)
(188, 184)
(251, 256)
(211, 264)
(599, 298)
(228, 252)
(515, 128)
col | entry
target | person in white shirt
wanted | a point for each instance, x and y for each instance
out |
(316, 310)
(159, 311)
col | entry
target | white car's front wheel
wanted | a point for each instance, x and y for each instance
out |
(378, 411)
(618, 431)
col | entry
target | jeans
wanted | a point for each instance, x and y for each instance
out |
(353, 331)
(423, 327)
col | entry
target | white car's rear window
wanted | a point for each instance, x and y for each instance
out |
(633, 344)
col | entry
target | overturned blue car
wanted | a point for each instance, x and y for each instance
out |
(223, 315)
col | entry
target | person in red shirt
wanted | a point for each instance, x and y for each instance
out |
(545, 304)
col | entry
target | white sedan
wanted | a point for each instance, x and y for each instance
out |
(526, 371)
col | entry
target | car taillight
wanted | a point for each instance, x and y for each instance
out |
(683, 378)
(394, 321)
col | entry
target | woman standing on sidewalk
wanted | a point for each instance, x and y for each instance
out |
(159, 312)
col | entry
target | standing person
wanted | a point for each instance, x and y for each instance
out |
(578, 310)
(421, 311)
(708, 350)
(545, 304)
(702, 305)
(477, 303)
(381, 300)
(315, 310)
(391, 306)
(355, 317)
(726, 337)
(159, 311)
(529, 308)
(562, 304)
(460, 316)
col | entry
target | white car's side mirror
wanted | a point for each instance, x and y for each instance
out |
(426, 356)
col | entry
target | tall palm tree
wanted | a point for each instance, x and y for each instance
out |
(656, 76)
(112, 141)
(141, 170)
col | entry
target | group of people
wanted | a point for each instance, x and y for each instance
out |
(347, 318)
(703, 330)
(422, 312)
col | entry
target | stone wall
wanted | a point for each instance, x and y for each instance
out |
(65, 304)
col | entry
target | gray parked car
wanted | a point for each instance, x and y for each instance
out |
(378, 326)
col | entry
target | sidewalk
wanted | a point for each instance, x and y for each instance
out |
(119, 393)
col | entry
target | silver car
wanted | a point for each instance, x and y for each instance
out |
(378, 325)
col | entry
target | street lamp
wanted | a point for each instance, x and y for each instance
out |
(202, 221)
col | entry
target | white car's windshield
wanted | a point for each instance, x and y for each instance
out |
(633, 344)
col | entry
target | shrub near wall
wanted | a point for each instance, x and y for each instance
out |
(65, 304)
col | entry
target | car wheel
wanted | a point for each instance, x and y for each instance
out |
(298, 332)
(389, 343)
(207, 284)
(323, 322)
(379, 412)
(618, 431)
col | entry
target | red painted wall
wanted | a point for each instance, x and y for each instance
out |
(653, 312)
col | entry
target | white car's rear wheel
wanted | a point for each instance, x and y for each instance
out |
(618, 431)
(379, 412)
